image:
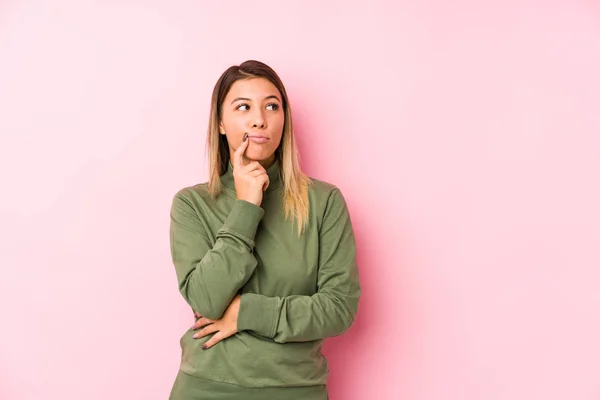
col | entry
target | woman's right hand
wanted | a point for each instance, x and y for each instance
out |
(251, 180)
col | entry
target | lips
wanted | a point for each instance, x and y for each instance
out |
(258, 138)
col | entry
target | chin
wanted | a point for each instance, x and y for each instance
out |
(258, 157)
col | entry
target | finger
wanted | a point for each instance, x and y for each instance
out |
(205, 331)
(213, 340)
(201, 322)
(259, 175)
(262, 176)
(257, 172)
(254, 166)
(197, 315)
(239, 153)
(266, 182)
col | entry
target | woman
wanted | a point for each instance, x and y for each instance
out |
(264, 255)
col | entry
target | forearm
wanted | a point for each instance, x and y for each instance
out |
(212, 284)
(332, 309)
(298, 318)
(211, 273)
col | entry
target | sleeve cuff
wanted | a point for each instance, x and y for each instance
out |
(258, 313)
(243, 220)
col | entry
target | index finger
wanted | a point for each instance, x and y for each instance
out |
(239, 153)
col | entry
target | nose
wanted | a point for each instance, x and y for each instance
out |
(258, 120)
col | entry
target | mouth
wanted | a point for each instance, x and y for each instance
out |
(258, 138)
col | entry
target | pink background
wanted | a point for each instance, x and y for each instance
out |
(465, 137)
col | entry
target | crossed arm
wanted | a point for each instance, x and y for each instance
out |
(210, 276)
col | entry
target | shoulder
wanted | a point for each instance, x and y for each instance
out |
(190, 192)
(325, 194)
(191, 197)
(323, 188)
(330, 207)
(320, 186)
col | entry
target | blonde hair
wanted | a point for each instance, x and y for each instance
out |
(295, 182)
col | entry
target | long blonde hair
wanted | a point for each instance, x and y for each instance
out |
(295, 182)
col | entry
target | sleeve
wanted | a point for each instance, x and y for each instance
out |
(330, 311)
(209, 275)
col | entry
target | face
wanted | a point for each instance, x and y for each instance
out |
(253, 106)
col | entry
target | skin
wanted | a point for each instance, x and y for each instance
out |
(252, 107)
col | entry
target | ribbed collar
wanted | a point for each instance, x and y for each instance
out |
(273, 172)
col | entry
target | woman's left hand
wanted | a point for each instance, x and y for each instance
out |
(224, 327)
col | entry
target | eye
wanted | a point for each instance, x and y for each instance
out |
(242, 105)
(274, 106)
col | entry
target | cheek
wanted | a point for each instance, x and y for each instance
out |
(232, 123)
(277, 124)
(277, 142)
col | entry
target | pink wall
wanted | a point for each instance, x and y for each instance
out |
(465, 137)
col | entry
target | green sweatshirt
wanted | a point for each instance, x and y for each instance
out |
(295, 291)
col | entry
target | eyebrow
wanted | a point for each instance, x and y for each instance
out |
(247, 99)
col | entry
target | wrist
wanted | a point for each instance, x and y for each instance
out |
(249, 199)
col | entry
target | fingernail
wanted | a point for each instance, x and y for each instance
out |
(204, 347)
(195, 336)
(245, 136)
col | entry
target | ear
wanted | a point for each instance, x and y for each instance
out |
(221, 128)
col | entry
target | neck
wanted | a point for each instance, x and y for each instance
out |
(272, 167)
(265, 163)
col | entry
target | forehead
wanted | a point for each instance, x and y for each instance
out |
(253, 88)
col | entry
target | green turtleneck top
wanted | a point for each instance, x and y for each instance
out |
(295, 291)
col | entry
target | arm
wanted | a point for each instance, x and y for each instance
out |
(209, 275)
(330, 311)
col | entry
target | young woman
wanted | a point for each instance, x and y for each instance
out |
(264, 255)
